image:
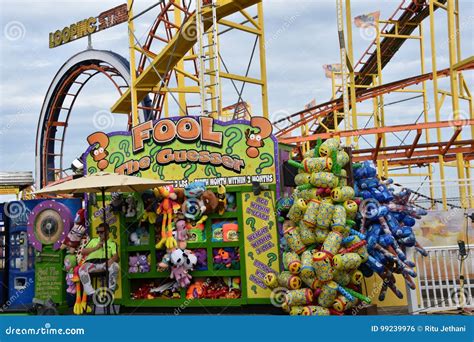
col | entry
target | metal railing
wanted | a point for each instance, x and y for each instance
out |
(438, 285)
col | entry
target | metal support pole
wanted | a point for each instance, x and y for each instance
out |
(436, 100)
(133, 72)
(350, 57)
(180, 65)
(453, 40)
(104, 217)
(263, 60)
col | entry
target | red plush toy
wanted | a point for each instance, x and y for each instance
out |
(77, 232)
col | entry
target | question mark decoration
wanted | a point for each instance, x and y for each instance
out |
(211, 170)
(254, 289)
(99, 153)
(158, 168)
(124, 145)
(251, 222)
(250, 254)
(268, 162)
(236, 136)
(117, 158)
(272, 257)
(188, 172)
(256, 140)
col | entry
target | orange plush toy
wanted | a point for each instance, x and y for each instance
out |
(168, 208)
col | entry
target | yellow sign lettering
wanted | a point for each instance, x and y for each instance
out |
(85, 27)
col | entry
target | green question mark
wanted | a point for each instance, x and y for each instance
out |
(157, 167)
(161, 172)
(267, 195)
(91, 170)
(211, 170)
(254, 289)
(113, 230)
(236, 136)
(189, 171)
(272, 257)
(251, 222)
(117, 158)
(124, 146)
(268, 162)
(247, 196)
(250, 254)
(154, 151)
(270, 224)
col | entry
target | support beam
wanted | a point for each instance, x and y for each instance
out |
(415, 142)
(241, 78)
(377, 130)
(177, 48)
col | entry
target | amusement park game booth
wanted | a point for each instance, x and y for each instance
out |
(31, 233)
(241, 156)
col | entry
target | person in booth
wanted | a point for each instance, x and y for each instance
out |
(95, 261)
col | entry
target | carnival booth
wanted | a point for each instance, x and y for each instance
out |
(208, 238)
(34, 230)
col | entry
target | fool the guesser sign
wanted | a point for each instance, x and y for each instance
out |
(185, 149)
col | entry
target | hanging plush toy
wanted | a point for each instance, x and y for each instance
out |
(117, 202)
(193, 207)
(222, 199)
(80, 306)
(69, 263)
(77, 232)
(150, 205)
(168, 208)
(130, 207)
(210, 201)
(182, 262)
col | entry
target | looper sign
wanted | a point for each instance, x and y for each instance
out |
(86, 27)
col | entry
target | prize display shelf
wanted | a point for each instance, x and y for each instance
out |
(130, 281)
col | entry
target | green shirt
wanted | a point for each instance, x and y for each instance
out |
(100, 253)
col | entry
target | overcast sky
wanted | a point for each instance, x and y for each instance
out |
(301, 36)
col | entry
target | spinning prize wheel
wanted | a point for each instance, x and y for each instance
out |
(48, 224)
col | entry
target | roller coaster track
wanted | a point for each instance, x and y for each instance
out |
(323, 110)
(59, 103)
(174, 51)
(407, 19)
